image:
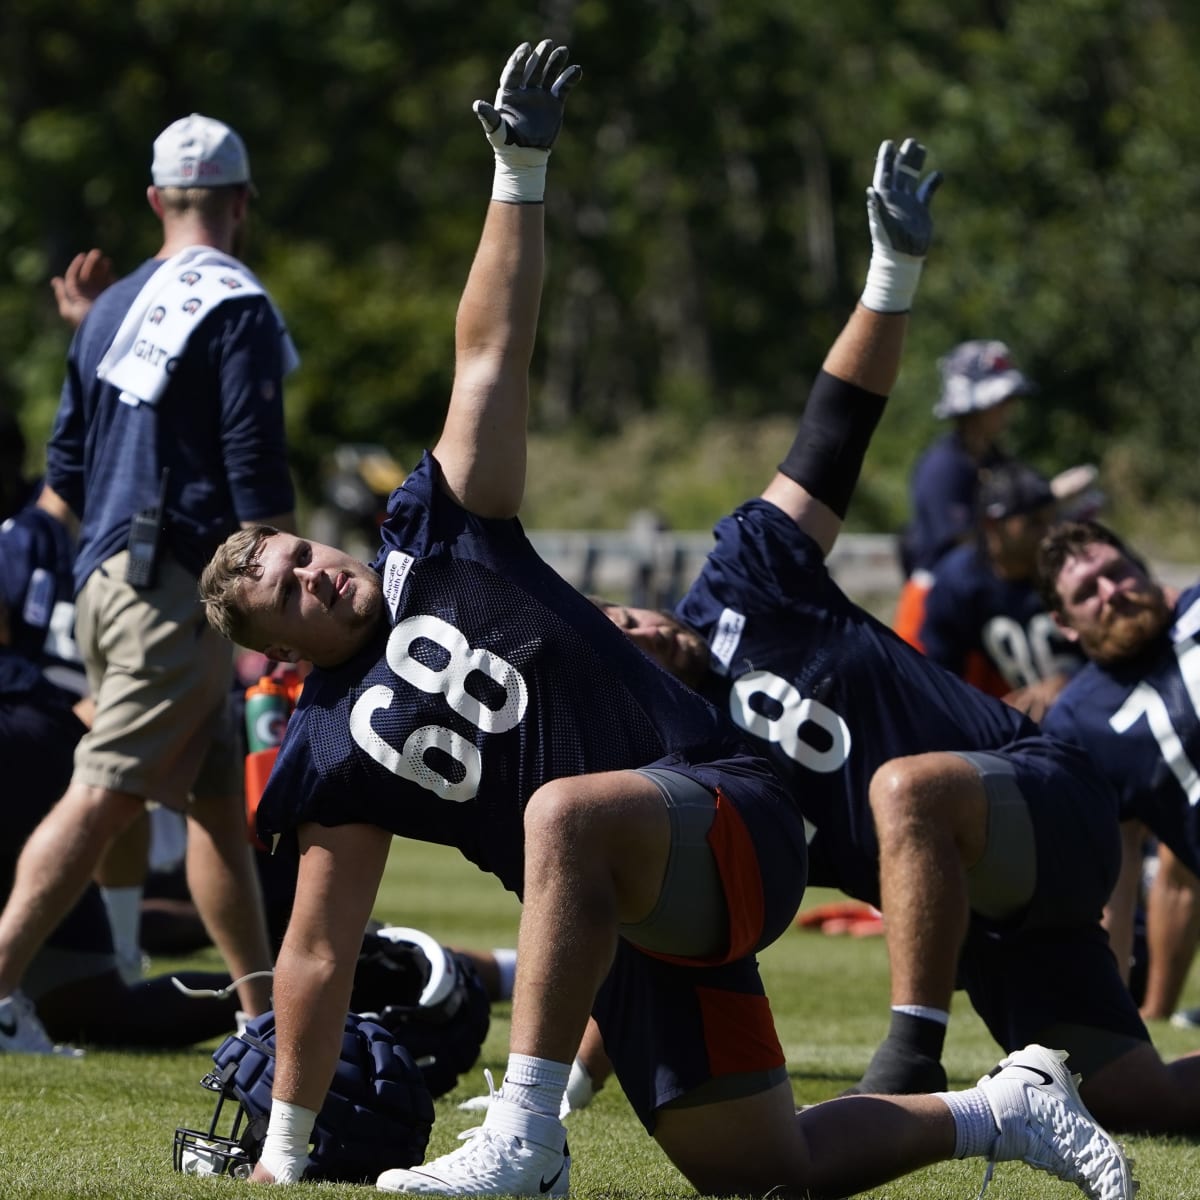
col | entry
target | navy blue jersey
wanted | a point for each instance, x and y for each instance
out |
(37, 590)
(971, 613)
(218, 427)
(490, 676)
(1140, 722)
(942, 494)
(828, 691)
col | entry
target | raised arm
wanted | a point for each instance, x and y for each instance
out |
(815, 482)
(482, 448)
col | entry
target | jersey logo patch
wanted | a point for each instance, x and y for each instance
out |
(1188, 623)
(726, 638)
(395, 572)
(39, 599)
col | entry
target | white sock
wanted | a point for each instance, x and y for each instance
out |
(537, 1084)
(506, 964)
(940, 1015)
(975, 1130)
(124, 905)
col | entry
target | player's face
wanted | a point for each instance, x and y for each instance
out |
(1109, 605)
(312, 601)
(1015, 539)
(670, 643)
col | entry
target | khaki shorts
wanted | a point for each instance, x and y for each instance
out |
(161, 680)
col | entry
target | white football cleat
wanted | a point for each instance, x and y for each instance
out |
(1043, 1122)
(514, 1152)
(22, 1032)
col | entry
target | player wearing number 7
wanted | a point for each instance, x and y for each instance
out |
(1135, 709)
(463, 693)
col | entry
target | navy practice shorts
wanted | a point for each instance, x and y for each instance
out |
(1057, 987)
(685, 1031)
(1049, 975)
(1076, 833)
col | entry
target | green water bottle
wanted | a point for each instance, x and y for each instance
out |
(268, 705)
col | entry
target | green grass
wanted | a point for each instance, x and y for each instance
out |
(101, 1128)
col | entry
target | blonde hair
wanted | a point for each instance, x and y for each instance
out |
(209, 203)
(236, 560)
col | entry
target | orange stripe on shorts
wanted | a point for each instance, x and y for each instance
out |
(739, 1032)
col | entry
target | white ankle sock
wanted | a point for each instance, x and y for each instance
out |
(124, 905)
(975, 1130)
(537, 1084)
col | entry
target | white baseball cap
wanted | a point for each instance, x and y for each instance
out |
(198, 151)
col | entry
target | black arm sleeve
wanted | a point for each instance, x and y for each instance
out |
(835, 430)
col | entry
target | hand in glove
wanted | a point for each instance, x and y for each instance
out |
(901, 227)
(525, 118)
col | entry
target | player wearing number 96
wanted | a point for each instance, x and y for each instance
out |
(464, 693)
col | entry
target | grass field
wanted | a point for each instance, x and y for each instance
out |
(102, 1127)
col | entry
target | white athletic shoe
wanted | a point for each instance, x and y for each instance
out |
(514, 1152)
(1186, 1018)
(21, 1032)
(1044, 1123)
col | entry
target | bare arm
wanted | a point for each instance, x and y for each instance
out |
(50, 501)
(1172, 931)
(1035, 699)
(340, 870)
(482, 449)
(814, 483)
(1119, 911)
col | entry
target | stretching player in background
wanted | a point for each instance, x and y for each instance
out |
(1135, 710)
(446, 705)
(983, 617)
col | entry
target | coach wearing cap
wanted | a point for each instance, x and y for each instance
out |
(979, 384)
(169, 435)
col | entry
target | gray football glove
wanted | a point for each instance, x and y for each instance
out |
(529, 103)
(901, 226)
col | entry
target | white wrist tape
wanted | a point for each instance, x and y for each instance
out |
(520, 175)
(285, 1148)
(580, 1090)
(892, 280)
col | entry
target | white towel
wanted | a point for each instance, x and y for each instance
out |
(172, 302)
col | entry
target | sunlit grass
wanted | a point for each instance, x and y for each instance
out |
(102, 1128)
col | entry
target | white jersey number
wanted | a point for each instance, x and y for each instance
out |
(458, 661)
(1145, 701)
(1025, 654)
(796, 717)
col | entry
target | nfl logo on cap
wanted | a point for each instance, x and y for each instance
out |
(198, 151)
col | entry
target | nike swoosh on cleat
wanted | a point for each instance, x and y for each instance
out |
(547, 1184)
(1042, 1075)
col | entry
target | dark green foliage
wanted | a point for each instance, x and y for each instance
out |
(706, 226)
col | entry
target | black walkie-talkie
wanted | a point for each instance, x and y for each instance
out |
(145, 541)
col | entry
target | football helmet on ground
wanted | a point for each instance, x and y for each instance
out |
(429, 997)
(376, 1116)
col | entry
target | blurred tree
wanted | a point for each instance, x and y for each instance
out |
(706, 219)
